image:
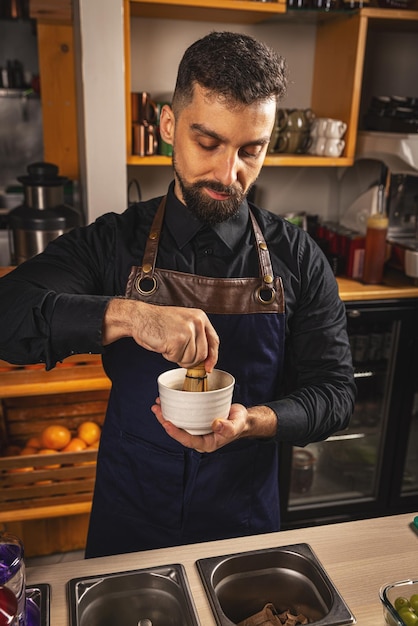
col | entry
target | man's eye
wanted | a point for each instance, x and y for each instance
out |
(208, 146)
(251, 151)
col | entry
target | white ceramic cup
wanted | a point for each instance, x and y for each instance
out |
(195, 411)
(335, 129)
(319, 126)
(318, 146)
(333, 147)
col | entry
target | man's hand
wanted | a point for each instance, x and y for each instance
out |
(259, 421)
(182, 335)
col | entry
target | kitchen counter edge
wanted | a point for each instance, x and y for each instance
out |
(359, 557)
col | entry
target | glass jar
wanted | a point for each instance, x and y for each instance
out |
(303, 467)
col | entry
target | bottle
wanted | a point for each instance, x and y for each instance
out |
(375, 248)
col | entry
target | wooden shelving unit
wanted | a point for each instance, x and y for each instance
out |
(77, 374)
(338, 65)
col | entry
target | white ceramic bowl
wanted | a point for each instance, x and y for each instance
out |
(195, 411)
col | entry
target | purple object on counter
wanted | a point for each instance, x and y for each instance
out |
(33, 613)
(12, 571)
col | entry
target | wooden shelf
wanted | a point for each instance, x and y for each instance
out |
(272, 160)
(396, 19)
(238, 11)
(45, 512)
(18, 381)
(374, 15)
(52, 11)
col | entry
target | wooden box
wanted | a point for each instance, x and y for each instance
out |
(58, 478)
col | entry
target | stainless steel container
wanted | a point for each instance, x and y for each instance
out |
(43, 216)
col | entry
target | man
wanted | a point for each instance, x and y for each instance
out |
(199, 275)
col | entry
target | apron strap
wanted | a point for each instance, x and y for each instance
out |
(264, 260)
(151, 246)
(145, 280)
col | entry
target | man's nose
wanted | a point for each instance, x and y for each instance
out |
(227, 168)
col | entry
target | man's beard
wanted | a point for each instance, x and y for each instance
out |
(205, 208)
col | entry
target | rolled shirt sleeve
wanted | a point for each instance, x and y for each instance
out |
(319, 390)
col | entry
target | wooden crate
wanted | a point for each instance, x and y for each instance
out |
(59, 478)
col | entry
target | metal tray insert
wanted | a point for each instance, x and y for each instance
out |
(291, 577)
(156, 596)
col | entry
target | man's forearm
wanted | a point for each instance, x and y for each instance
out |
(182, 335)
(262, 422)
(117, 320)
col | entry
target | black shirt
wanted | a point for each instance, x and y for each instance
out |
(53, 305)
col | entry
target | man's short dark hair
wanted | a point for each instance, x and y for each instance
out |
(233, 67)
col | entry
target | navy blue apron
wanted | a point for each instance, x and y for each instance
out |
(151, 491)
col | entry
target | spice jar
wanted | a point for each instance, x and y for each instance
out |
(303, 467)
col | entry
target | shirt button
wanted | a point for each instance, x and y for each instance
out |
(208, 251)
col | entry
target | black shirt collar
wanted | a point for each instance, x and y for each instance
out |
(183, 225)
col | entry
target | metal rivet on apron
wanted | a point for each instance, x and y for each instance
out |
(147, 268)
(264, 295)
(262, 245)
(153, 234)
(146, 285)
(268, 279)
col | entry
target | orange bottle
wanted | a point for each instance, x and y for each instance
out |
(375, 248)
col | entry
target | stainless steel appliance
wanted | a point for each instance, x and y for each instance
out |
(399, 152)
(43, 216)
(403, 223)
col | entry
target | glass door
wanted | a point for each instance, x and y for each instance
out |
(409, 486)
(342, 476)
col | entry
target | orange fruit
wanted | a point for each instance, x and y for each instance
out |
(76, 444)
(94, 446)
(89, 432)
(48, 451)
(33, 442)
(28, 450)
(55, 437)
(18, 470)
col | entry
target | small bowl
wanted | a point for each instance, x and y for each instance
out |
(388, 595)
(195, 411)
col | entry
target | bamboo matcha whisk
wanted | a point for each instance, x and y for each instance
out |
(196, 379)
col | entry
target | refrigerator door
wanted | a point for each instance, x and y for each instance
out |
(409, 486)
(348, 475)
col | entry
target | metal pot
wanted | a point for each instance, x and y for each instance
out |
(43, 216)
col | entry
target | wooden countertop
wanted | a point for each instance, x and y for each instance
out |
(395, 286)
(359, 557)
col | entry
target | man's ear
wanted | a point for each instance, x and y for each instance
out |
(167, 123)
